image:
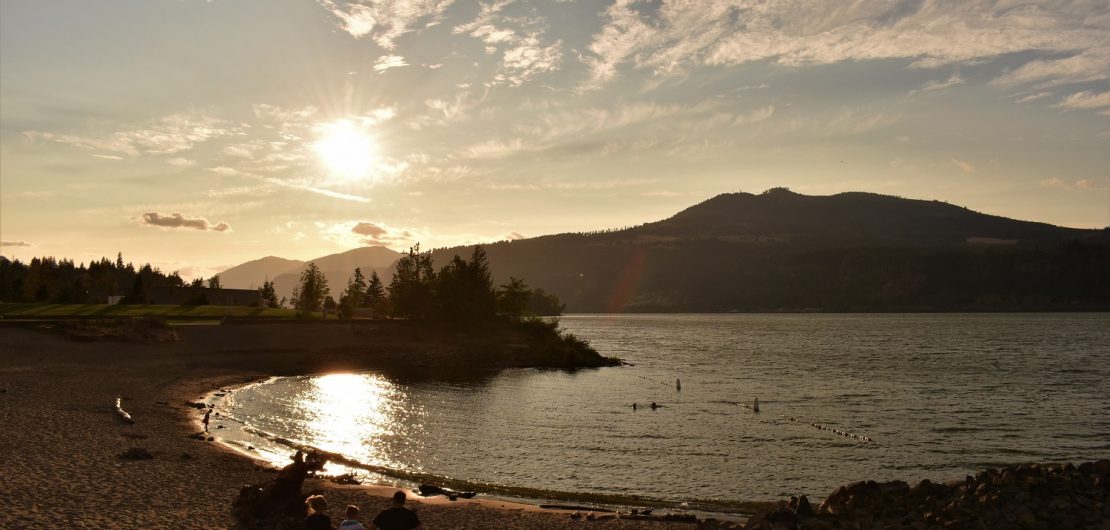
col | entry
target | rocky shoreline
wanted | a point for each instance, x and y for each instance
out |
(1026, 497)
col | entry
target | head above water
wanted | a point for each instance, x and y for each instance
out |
(352, 511)
(399, 498)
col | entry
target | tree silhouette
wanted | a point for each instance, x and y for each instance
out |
(411, 293)
(375, 298)
(268, 294)
(512, 298)
(309, 294)
(353, 295)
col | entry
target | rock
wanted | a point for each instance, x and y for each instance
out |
(136, 453)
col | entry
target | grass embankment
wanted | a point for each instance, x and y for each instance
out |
(46, 311)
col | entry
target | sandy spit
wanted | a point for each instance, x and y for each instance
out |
(59, 452)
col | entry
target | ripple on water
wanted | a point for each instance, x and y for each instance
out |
(940, 394)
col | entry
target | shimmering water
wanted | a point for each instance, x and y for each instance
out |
(939, 395)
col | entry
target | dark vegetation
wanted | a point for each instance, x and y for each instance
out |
(50, 280)
(782, 251)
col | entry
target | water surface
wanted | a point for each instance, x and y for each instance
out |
(939, 395)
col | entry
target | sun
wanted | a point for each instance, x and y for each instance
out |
(348, 151)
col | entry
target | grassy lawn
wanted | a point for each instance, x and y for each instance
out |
(171, 311)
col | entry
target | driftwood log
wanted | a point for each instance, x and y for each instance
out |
(122, 413)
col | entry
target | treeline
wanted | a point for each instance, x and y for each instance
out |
(460, 291)
(61, 281)
(719, 275)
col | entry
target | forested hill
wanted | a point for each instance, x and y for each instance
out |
(783, 251)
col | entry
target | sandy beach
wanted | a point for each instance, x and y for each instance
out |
(62, 442)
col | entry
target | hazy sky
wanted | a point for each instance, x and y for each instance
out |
(200, 134)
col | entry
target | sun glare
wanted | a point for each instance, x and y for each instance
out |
(346, 149)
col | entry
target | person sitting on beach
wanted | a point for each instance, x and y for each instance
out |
(351, 522)
(317, 519)
(397, 517)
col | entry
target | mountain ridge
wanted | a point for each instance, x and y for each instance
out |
(780, 250)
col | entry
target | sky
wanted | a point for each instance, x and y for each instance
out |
(196, 135)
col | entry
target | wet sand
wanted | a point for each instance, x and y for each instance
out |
(62, 440)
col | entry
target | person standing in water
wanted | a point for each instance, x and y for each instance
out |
(207, 414)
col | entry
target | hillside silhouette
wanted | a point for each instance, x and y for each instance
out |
(285, 273)
(783, 251)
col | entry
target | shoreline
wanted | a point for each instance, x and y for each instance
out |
(63, 452)
(736, 511)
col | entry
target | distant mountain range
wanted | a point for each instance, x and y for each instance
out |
(783, 251)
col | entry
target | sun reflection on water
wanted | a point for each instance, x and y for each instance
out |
(351, 414)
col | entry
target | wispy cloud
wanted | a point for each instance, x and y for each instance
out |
(169, 135)
(14, 244)
(1086, 100)
(385, 20)
(964, 165)
(386, 62)
(680, 34)
(176, 220)
(933, 86)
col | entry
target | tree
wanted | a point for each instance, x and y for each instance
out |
(353, 295)
(411, 293)
(197, 283)
(375, 298)
(543, 304)
(309, 294)
(268, 294)
(512, 298)
(464, 289)
(214, 282)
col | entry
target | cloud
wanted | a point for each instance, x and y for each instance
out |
(680, 34)
(169, 135)
(1088, 65)
(933, 86)
(1081, 184)
(14, 244)
(361, 233)
(1034, 97)
(514, 236)
(181, 162)
(386, 62)
(1086, 100)
(384, 20)
(964, 165)
(176, 220)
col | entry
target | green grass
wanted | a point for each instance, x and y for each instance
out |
(169, 311)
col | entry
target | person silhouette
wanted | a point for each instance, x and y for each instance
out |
(397, 517)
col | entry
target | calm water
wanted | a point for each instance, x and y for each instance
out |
(939, 395)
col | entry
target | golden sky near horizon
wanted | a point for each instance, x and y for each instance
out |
(201, 134)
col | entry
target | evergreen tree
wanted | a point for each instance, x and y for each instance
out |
(375, 298)
(464, 289)
(411, 293)
(214, 282)
(353, 295)
(268, 294)
(309, 294)
(512, 298)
